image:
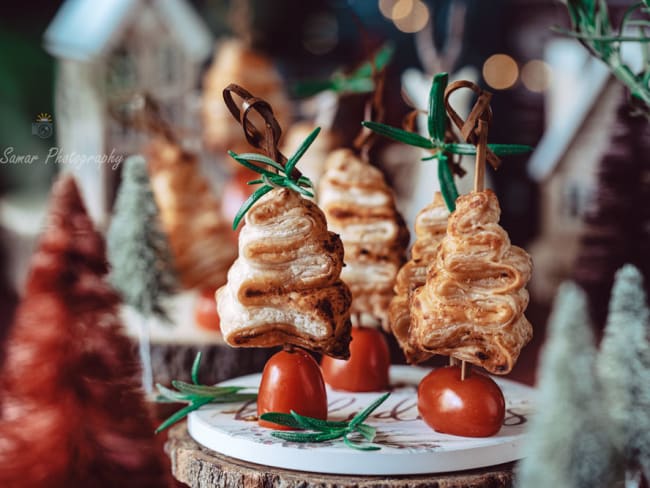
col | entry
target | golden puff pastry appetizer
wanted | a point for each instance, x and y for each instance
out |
(472, 305)
(430, 228)
(285, 286)
(360, 206)
(199, 236)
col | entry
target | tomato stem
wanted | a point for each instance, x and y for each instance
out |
(290, 348)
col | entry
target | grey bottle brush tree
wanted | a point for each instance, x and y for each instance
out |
(142, 264)
(624, 370)
(567, 445)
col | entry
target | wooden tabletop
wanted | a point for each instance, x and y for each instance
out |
(200, 467)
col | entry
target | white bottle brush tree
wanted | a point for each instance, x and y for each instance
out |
(624, 370)
(138, 250)
(567, 444)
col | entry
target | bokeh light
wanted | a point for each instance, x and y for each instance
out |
(402, 9)
(416, 19)
(536, 75)
(386, 8)
(500, 71)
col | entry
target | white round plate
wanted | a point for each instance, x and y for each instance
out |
(409, 446)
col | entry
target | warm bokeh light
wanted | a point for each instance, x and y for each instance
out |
(500, 71)
(416, 19)
(321, 34)
(402, 9)
(386, 8)
(536, 76)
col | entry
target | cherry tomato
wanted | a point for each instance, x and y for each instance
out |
(367, 368)
(205, 311)
(473, 407)
(292, 381)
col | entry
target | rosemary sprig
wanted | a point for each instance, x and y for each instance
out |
(324, 430)
(591, 25)
(282, 176)
(197, 395)
(436, 143)
(359, 81)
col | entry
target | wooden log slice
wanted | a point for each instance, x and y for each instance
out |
(199, 467)
(219, 362)
(174, 346)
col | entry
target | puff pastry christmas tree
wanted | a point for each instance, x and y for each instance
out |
(430, 228)
(199, 236)
(71, 408)
(360, 207)
(472, 305)
(285, 286)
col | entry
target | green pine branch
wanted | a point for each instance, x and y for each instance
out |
(440, 148)
(281, 176)
(591, 25)
(359, 81)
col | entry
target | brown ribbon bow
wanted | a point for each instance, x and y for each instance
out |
(474, 128)
(267, 139)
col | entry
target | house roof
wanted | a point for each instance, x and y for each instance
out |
(83, 30)
(578, 81)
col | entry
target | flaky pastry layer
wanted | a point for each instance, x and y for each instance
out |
(472, 305)
(430, 228)
(360, 206)
(199, 236)
(285, 285)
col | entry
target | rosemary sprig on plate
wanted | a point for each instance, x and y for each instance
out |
(197, 395)
(440, 149)
(359, 81)
(324, 430)
(278, 176)
(591, 25)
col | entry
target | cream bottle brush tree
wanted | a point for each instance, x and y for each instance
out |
(138, 250)
(624, 372)
(568, 444)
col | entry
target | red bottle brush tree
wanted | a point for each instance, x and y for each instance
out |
(71, 411)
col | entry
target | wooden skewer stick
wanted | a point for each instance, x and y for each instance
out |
(479, 185)
(481, 154)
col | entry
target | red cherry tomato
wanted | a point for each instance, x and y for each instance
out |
(205, 311)
(473, 407)
(292, 381)
(367, 368)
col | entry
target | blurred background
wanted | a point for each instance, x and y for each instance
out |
(72, 70)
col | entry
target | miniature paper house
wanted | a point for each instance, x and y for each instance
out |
(107, 53)
(581, 106)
